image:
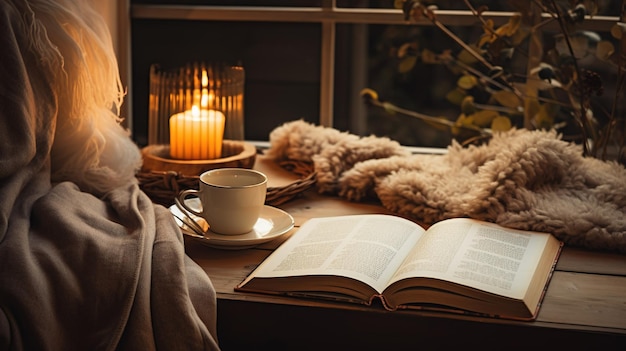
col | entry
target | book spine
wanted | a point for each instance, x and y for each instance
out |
(384, 302)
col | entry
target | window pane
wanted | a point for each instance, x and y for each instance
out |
(375, 64)
(494, 5)
(367, 57)
(268, 3)
(605, 7)
(281, 62)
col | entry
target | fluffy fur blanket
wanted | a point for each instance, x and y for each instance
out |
(530, 180)
(87, 262)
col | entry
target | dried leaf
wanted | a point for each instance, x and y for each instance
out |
(509, 28)
(605, 50)
(488, 35)
(544, 119)
(485, 39)
(501, 124)
(429, 57)
(467, 58)
(618, 29)
(467, 82)
(406, 49)
(369, 93)
(484, 118)
(464, 119)
(531, 106)
(507, 98)
(467, 105)
(456, 96)
(407, 64)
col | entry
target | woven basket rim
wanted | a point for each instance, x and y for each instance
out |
(163, 186)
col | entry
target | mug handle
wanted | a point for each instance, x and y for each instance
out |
(180, 201)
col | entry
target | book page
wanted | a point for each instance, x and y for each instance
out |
(365, 247)
(477, 254)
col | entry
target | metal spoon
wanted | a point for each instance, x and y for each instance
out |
(196, 233)
(189, 220)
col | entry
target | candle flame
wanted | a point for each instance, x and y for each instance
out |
(206, 96)
(195, 111)
(205, 78)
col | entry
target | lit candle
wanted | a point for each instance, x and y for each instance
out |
(196, 134)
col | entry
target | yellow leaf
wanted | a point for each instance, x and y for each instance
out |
(617, 30)
(509, 28)
(604, 50)
(405, 49)
(485, 39)
(407, 64)
(501, 124)
(544, 119)
(488, 26)
(456, 96)
(467, 82)
(467, 105)
(488, 35)
(483, 118)
(513, 25)
(371, 93)
(467, 58)
(462, 120)
(507, 98)
(531, 106)
(429, 57)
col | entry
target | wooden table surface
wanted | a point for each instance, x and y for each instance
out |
(584, 306)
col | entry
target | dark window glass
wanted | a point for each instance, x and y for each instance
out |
(605, 7)
(281, 62)
(367, 57)
(422, 89)
(264, 3)
(494, 5)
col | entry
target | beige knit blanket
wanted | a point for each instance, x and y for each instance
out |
(529, 180)
(87, 261)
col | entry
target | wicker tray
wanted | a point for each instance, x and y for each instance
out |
(163, 186)
(234, 154)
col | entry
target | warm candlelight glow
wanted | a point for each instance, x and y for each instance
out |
(197, 134)
(204, 86)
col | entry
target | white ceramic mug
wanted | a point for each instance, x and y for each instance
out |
(231, 199)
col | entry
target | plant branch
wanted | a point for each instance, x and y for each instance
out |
(433, 18)
(371, 98)
(480, 18)
(481, 75)
(584, 123)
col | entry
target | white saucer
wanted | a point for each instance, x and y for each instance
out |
(272, 224)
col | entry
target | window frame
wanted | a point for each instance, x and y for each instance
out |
(328, 15)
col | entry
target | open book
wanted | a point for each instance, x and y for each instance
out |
(459, 265)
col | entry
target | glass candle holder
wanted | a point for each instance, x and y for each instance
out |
(193, 108)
